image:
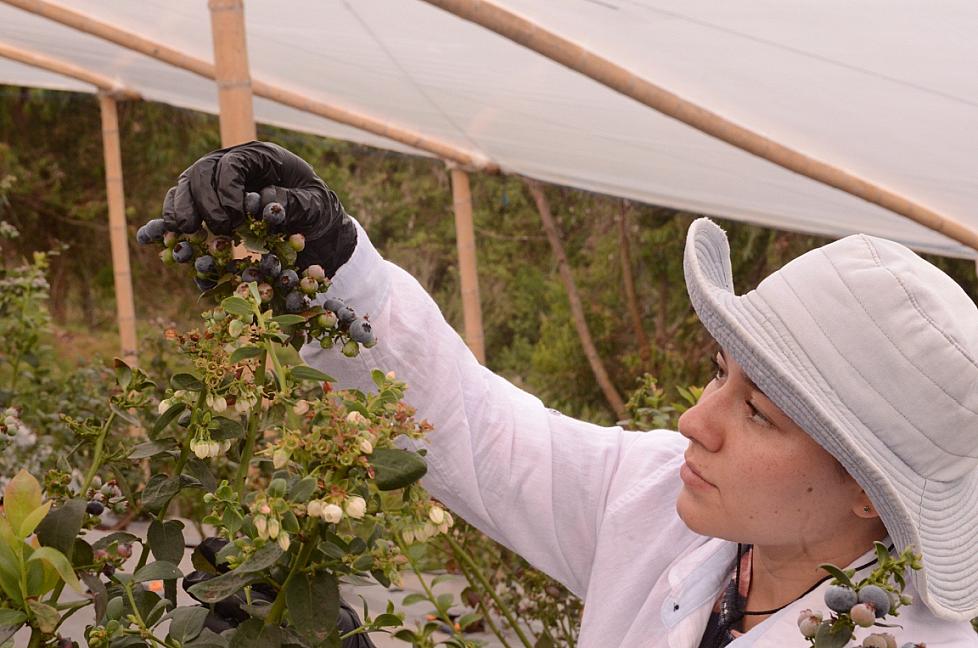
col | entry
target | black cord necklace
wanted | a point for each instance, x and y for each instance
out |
(740, 553)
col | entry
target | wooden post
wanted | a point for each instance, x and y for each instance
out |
(465, 239)
(577, 309)
(628, 280)
(231, 72)
(608, 73)
(118, 233)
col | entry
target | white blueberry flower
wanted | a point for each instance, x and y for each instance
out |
(261, 525)
(332, 513)
(300, 407)
(356, 418)
(200, 449)
(274, 526)
(436, 514)
(164, 405)
(284, 541)
(366, 447)
(314, 508)
(355, 507)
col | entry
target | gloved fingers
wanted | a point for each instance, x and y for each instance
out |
(251, 167)
(203, 193)
(186, 214)
(311, 210)
(169, 215)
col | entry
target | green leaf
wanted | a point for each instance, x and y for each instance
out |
(158, 491)
(388, 620)
(255, 634)
(118, 536)
(252, 242)
(187, 622)
(831, 635)
(21, 497)
(123, 374)
(172, 412)
(838, 574)
(61, 526)
(305, 372)
(45, 616)
(395, 468)
(10, 617)
(186, 381)
(238, 306)
(159, 570)
(100, 595)
(313, 601)
(466, 620)
(543, 642)
(60, 563)
(288, 319)
(220, 587)
(166, 540)
(151, 449)
(245, 352)
(33, 519)
(413, 598)
(261, 559)
(200, 470)
(286, 253)
(207, 639)
(379, 377)
(303, 489)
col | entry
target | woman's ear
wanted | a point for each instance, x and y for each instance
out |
(863, 508)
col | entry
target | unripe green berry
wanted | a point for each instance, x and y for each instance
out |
(351, 349)
(863, 615)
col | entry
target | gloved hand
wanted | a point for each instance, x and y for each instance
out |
(212, 190)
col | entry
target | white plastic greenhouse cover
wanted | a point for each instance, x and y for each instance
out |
(886, 89)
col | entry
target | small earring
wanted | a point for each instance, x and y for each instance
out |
(866, 509)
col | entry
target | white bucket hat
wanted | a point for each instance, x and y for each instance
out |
(874, 353)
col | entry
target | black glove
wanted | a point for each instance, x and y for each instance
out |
(213, 188)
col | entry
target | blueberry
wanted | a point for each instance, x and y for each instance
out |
(151, 232)
(268, 195)
(840, 599)
(203, 285)
(170, 239)
(309, 285)
(360, 330)
(273, 214)
(252, 204)
(296, 302)
(250, 274)
(862, 615)
(235, 266)
(205, 265)
(166, 256)
(333, 304)
(316, 272)
(297, 242)
(345, 315)
(94, 508)
(287, 280)
(220, 244)
(270, 266)
(877, 598)
(183, 252)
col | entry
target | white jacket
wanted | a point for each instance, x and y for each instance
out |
(593, 507)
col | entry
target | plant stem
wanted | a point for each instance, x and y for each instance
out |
(482, 606)
(464, 557)
(308, 545)
(442, 612)
(97, 457)
(249, 447)
(36, 637)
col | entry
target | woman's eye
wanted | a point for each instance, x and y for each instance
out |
(757, 416)
(718, 371)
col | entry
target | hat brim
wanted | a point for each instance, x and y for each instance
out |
(939, 519)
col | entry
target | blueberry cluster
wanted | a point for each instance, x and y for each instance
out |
(281, 285)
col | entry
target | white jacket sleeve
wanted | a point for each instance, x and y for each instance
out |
(532, 479)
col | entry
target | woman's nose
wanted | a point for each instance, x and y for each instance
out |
(702, 422)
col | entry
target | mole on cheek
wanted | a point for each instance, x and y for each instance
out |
(810, 489)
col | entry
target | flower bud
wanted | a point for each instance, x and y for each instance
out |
(390, 375)
(261, 525)
(300, 407)
(214, 448)
(164, 405)
(284, 541)
(366, 447)
(264, 509)
(280, 458)
(235, 327)
(332, 513)
(355, 507)
(242, 405)
(408, 536)
(274, 526)
(436, 514)
(200, 449)
(314, 508)
(356, 418)
(217, 402)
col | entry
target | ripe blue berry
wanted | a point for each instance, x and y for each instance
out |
(249, 275)
(877, 598)
(345, 315)
(840, 599)
(203, 285)
(270, 266)
(287, 280)
(151, 232)
(273, 214)
(183, 252)
(333, 304)
(360, 330)
(296, 302)
(205, 265)
(252, 204)
(94, 508)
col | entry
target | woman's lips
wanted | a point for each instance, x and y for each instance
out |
(692, 477)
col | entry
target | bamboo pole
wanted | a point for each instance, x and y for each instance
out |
(577, 310)
(38, 60)
(465, 240)
(118, 237)
(231, 72)
(158, 51)
(577, 58)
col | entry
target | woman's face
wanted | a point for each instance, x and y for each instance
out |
(752, 475)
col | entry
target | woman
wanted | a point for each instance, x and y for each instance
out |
(843, 412)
